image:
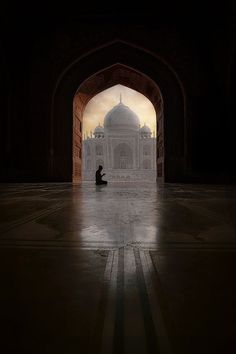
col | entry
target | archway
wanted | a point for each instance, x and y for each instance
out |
(126, 76)
(123, 157)
(119, 124)
(140, 70)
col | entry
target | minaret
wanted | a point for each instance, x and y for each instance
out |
(120, 98)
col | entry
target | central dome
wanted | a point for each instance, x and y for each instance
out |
(121, 117)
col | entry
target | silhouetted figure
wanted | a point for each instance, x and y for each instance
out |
(99, 176)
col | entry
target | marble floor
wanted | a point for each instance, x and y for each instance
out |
(117, 269)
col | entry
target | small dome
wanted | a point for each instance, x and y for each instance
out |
(121, 117)
(99, 129)
(145, 129)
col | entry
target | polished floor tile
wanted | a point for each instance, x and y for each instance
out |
(121, 268)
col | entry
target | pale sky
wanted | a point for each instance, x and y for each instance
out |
(100, 104)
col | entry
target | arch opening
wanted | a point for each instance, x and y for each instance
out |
(122, 63)
(131, 79)
(119, 126)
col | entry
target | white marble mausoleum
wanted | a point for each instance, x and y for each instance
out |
(126, 151)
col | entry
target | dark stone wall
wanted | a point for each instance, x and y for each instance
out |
(36, 49)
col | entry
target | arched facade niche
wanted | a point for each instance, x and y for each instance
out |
(123, 157)
(99, 150)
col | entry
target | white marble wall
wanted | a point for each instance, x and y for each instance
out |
(139, 170)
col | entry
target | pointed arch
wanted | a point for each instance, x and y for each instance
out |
(123, 63)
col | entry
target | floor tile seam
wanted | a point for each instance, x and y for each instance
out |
(156, 297)
(151, 336)
(109, 322)
(111, 245)
(168, 323)
(118, 335)
(61, 247)
(206, 212)
(96, 338)
(32, 217)
(34, 197)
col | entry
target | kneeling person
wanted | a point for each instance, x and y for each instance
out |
(99, 176)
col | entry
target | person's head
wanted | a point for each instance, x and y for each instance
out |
(100, 167)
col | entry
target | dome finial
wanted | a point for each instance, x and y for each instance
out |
(120, 98)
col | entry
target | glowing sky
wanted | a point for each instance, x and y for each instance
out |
(100, 104)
